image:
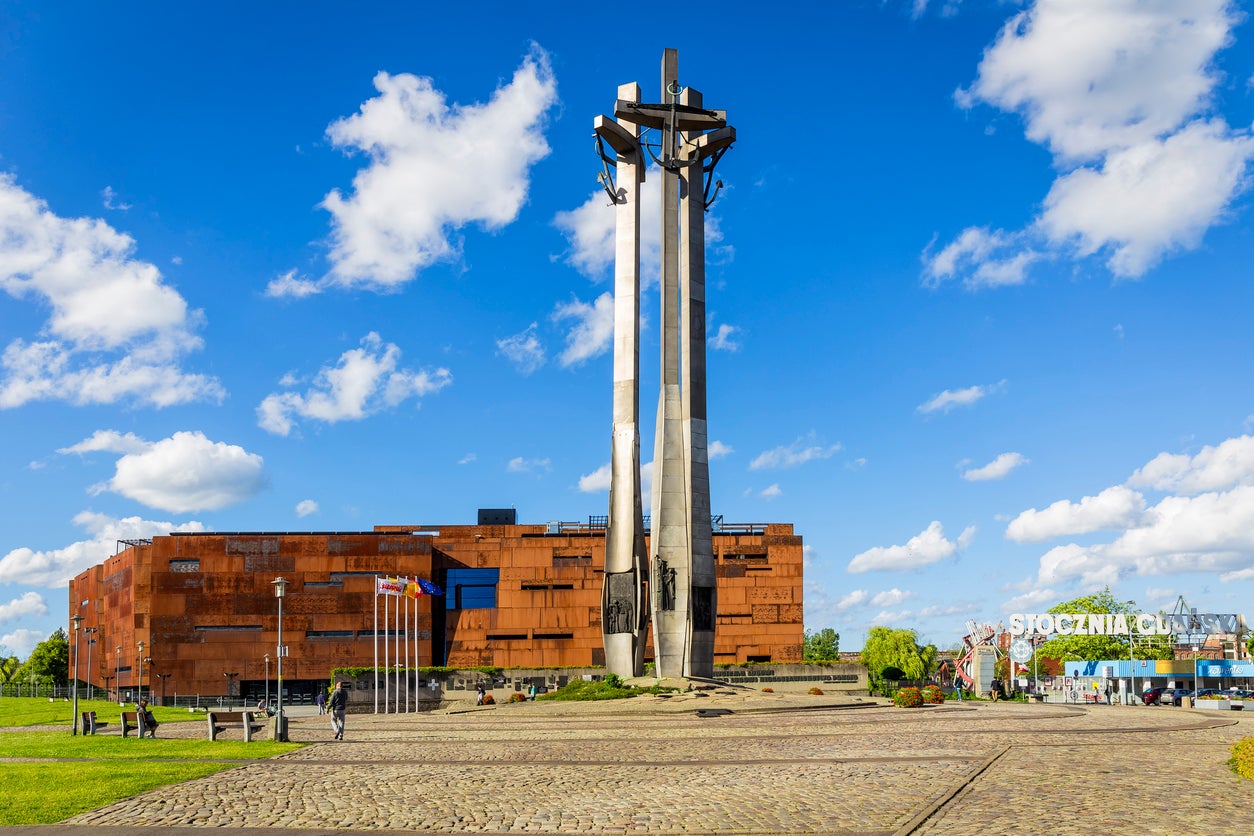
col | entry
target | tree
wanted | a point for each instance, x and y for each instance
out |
(49, 661)
(821, 646)
(886, 648)
(1097, 648)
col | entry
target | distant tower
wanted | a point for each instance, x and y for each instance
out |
(682, 584)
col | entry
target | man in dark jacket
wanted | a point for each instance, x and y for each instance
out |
(338, 706)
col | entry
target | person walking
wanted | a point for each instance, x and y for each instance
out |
(338, 706)
(322, 700)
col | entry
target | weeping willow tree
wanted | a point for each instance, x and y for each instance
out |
(896, 654)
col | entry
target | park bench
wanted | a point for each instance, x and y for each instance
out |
(90, 723)
(134, 721)
(221, 720)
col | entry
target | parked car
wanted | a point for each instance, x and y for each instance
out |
(1151, 696)
(1213, 692)
(1174, 696)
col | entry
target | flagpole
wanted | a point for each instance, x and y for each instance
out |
(376, 644)
(385, 652)
(407, 647)
(396, 633)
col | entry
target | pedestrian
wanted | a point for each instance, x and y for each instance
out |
(531, 692)
(338, 705)
(479, 694)
(1107, 693)
(322, 700)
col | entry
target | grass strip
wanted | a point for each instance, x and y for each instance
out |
(39, 711)
(42, 793)
(115, 747)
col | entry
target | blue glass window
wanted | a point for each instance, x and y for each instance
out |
(471, 589)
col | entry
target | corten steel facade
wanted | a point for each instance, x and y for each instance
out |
(515, 596)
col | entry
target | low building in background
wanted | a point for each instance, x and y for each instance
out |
(195, 613)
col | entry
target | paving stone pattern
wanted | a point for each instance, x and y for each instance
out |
(775, 765)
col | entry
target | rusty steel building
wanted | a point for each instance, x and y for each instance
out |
(195, 613)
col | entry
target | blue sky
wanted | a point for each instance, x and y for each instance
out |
(978, 286)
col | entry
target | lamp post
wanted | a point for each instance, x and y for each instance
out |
(77, 621)
(267, 681)
(280, 723)
(163, 677)
(140, 681)
(230, 680)
(91, 639)
(117, 674)
(107, 679)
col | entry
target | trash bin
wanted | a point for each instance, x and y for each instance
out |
(1186, 702)
(280, 727)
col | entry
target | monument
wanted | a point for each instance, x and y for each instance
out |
(685, 141)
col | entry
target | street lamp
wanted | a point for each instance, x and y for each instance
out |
(280, 723)
(267, 681)
(90, 641)
(77, 621)
(117, 674)
(140, 681)
(107, 679)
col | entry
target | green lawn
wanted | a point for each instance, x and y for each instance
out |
(38, 711)
(101, 769)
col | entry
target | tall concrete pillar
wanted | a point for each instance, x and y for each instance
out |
(624, 607)
(689, 141)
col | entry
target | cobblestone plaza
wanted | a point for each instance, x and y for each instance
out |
(731, 762)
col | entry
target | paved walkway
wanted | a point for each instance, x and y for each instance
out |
(776, 764)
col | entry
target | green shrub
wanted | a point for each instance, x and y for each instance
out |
(1242, 760)
(908, 698)
(933, 695)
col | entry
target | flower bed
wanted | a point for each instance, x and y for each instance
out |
(908, 698)
(933, 695)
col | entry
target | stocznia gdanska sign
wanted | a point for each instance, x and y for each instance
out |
(1104, 624)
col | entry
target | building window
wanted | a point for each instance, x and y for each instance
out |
(553, 635)
(471, 589)
(221, 628)
(507, 637)
(330, 634)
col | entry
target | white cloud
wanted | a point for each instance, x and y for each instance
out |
(799, 452)
(596, 481)
(950, 398)
(927, 547)
(593, 331)
(1211, 532)
(518, 464)
(287, 285)
(182, 473)
(771, 491)
(363, 382)
(306, 507)
(1117, 91)
(1149, 200)
(1113, 508)
(55, 568)
(724, 338)
(1213, 468)
(1088, 77)
(22, 641)
(108, 198)
(890, 597)
(434, 168)
(467, 459)
(854, 599)
(998, 468)
(1031, 601)
(109, 441)
(718, 450)
(523, 349)
(115, 332)
(30, 604)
